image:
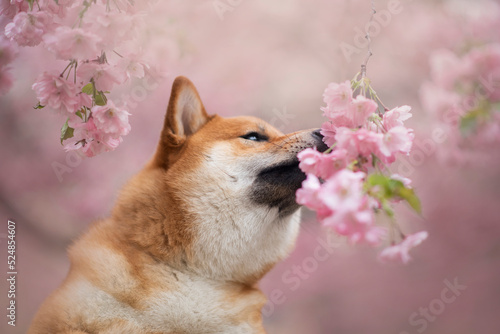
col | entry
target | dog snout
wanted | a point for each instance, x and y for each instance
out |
(318, 139)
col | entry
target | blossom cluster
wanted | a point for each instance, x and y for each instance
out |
(350, 183)
(91, 36)
(464, 96)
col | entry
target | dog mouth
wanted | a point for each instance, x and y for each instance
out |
(283, 167)
(275, 186)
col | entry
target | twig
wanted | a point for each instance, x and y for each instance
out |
(367, 36)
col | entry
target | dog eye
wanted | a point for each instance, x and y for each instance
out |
(255, 136)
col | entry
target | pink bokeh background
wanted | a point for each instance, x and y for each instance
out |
(273, 60)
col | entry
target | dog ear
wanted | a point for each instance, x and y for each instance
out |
(185, 115)
(185, 112)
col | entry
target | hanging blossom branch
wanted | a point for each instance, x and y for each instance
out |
(351, 183)
(94, 124)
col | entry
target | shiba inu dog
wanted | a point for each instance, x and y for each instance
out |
(191, 234)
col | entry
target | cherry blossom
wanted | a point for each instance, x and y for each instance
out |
(328, 130)
(360, 109)
(111, 120)
(58, 93)
(308, 195)
(400, 252)
(12, 7)
(337, 96)
(104, 75)
(346, 185)
(132, 67)
(67, 43)
(111, 26)
(343, 191)
(28, 28)
(359, 142)
(396, 117)
(96, 38)
(90, 141)
(397, 140)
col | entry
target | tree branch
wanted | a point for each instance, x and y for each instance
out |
(368, 38)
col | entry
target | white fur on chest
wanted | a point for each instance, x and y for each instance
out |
(192, 307)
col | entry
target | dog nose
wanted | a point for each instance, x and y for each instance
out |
(318, 138)
(317, 134)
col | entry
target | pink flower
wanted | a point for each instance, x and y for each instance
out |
(132, 66)
(90, 141)
(111, 120)
(69, 43)
(332, 163)
(361, 142)
(351, 210)
(83, 132)
(112, 26)
(57, 93)
(400, 252)
(58, 8)
(84, 100)
(320, 164)
(339, 118)
(397, 140)
(360, 109)
(396, 117)
(358, 226)
(96, 147)
(105, 76)
(27, 29)
(343, 191)
(310, 160)
(328, 130)
(12, 7)
(308, 195)
(338, 96)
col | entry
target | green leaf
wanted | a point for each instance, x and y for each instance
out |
(66, 131)
(88, 89)
(80, 113)
(38, 106)
(395, 185)
(379, 180)
(31, 2)
(100, 99)
(384, 188)
(378, 187)
(398, 189)
(412, 199)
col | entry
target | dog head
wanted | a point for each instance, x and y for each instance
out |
(224, 189)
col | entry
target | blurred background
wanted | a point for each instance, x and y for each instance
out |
(273, 59)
